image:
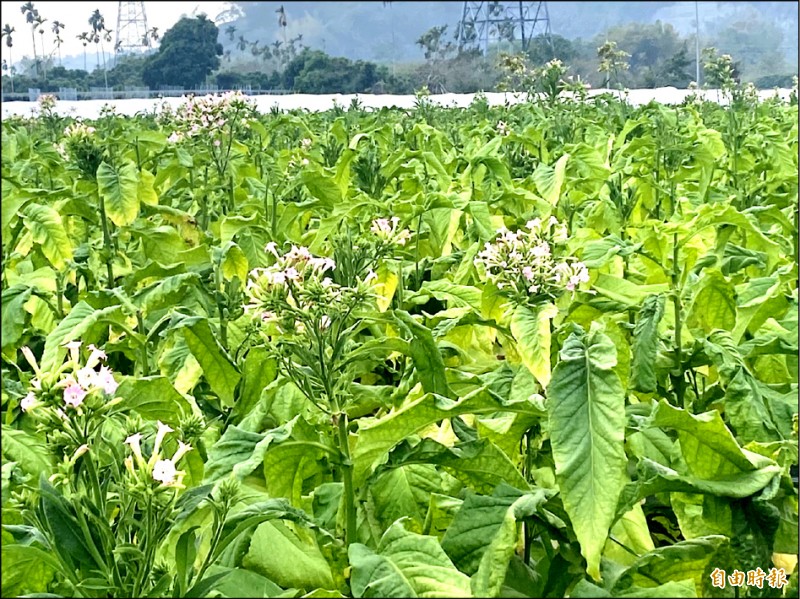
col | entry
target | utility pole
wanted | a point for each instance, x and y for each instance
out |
(697, 42)
(481, 22)
(131, 27)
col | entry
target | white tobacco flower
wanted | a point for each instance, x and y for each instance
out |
(28, 402)
(31, 359)
(80, 451)
(105, 380)
(86, 377)
(163, 429)
(74, 349)
(74, 394)
(135, 441)
(183, 449)
(164, 471)
(95, 357)
(324, 322)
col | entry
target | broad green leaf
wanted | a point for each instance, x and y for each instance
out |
(747, 411)
(632, 532)
(709, 449)
(645, 344)
(626, 292)
(238, 582)
(456, 296)
(288, 465)
(147, 194)
(693, 559)
(586, 404)
(531, 330)
(385, 286)
(427, 359)
(405, 565)
(234, 264)
(405, 492)
(25, 570)
(47, 230)
(119, 188)
(218, 369)
(376, 436)
(240, 452)
(668, 590)
(13, 315)
(289, 560)
(714, 304)
(75, 326)
(479, 463)
(483, 536)
(258, 371)
(154, 398)
(550, 179)
(27, 451)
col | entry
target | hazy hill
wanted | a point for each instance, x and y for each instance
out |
(387, 31)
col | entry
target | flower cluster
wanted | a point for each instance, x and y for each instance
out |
(523, 266)
(160, 469)
(47, 103)
(296, 291)
(502, 128)
(78, 130)
(210, 117)
(386, 230)
(72, 387)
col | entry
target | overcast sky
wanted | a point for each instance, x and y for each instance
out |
(75, 17)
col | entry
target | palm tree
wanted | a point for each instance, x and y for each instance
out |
(6, 33)
(57, 27)
(98, 23)
(31, 14)
(230, 30)
(84, 37)
(282, 21)
(39, 20)
(254, 50)
(242, 44)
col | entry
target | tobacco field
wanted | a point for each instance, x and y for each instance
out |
(547, 349)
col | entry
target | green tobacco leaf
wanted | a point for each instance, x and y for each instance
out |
(681, 588)
(456, 296)
(147, 194)
(27, 451)
(289, 560)
(479, 464)
(376, 436)
(747, 410)
(154, 398)
(258, 371)
(427, 359)
(709, 450)
(26, 570)
(645, 344)
(405, 565)
(531, 330)
(75, 326)
(693, 559)
(217, 367)
(47, 230)
(119, 188)
(714, 305)
(240, 452)
(405, 491)
(550, 179)
(288, 465)
(238, 582)
(234, 263)
(13, 315)
(483, 535)
(586, 403)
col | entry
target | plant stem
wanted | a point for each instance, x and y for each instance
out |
(676, 300)
(140, 324)
(347, 479)
(107, 243)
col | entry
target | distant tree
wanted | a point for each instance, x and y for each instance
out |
(436, 51)
(189, 52)
(541, 51)
(57, 27)
(6, 33)
(31, 16)
(674, 71)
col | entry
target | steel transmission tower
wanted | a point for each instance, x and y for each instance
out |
(131, 27)
(485, 22)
